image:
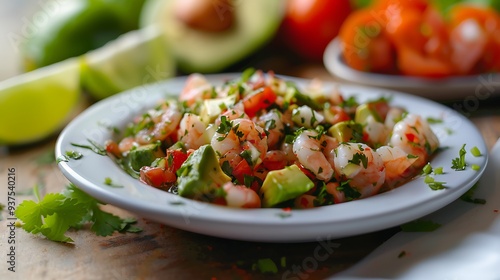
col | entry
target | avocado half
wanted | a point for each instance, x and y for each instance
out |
(255, 22)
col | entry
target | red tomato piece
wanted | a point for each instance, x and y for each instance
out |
(258, 100)
(309, 25)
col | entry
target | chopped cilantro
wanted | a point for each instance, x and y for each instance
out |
(402, 254)
(349, 192)
(94, 147)
(226, 168)
(224, 126)
(468, 196)
(109, 182)
(427, 169)
(459, 163)
(434, 120)
(434, 185)
(266, 265)
(56, 213)
(438, 170)
(358, 158)
(420, 226)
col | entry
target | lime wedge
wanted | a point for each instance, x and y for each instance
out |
(36, 104)
(133, 59)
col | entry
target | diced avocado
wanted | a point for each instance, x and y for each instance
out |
(254, 23)
(212, 108)
(295, 96)
(201, 174)
(285, 184)
(347, 131)
(363, 112)
(144, 155)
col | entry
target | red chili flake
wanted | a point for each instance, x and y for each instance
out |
(286, 209)
(410, 137)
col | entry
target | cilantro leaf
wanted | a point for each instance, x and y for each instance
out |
(56, 213)
(52, 216)
(420, 226)
(358, 158)
(459, 163)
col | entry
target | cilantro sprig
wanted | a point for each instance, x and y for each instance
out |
(56, 213)
(459, 163)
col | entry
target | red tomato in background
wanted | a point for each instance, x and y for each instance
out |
(309, 25)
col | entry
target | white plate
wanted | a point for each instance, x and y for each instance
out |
(403, 204)
(453, 88)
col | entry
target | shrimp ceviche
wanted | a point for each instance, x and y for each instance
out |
(261, 141)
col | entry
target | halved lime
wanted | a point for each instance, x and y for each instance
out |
(135, 58)
(38, 103)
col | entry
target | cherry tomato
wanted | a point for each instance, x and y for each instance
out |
(365, 46)
(309, 25)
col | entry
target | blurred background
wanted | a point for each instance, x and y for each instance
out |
(103, 47)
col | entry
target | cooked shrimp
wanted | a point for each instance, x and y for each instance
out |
(309, 152)
(398, 165)
(192, 131)
(287, 149)
(330, 144)
(273, 126)
(393, 115)
(333, 189)
(375, 133)
(165, 121)
(240, 196)
(361, 166)
(126, 144)
(414, 136)
(240, 137)
(197, 88)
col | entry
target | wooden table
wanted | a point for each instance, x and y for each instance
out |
(163, 252)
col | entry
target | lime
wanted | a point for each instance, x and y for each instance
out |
(133, 59)
(36, 104)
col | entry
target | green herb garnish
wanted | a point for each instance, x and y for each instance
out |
(56, 213)
(459, 163)
(420, 226)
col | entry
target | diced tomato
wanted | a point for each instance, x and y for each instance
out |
(381, 107)
(177, 158)
(112, 148)
(258, 100)
(339, 114)
(306, 171)
(242, 169)
(274, 164)
(156, 176)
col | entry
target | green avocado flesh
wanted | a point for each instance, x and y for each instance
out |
(200, 175)
(144, 155)
(285, 184)
(256, 21)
